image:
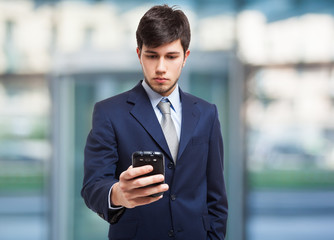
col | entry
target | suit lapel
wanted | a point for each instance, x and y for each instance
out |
(143, 112)
(190, 117)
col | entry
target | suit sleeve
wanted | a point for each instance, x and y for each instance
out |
(100, 166)
(216, 196)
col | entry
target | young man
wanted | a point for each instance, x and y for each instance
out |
(194, 203)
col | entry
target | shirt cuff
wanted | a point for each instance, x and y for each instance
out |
(109, 202)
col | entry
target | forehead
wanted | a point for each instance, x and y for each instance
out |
(172, 47)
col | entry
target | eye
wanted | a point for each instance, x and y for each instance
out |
(171, 57)
(151, 56)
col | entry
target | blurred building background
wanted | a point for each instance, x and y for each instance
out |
(268, 65)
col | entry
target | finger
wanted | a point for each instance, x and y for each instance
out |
(145, 181)
(132, 172)
(148, 191)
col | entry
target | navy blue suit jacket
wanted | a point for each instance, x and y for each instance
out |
(195, 206)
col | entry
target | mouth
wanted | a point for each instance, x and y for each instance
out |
(160, 80)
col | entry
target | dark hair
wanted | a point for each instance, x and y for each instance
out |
(163, 24)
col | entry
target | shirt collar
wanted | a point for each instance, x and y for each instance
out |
(155, 98)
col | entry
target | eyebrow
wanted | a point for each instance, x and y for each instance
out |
(154, 52)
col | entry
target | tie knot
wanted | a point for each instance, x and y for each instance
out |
(164, 106)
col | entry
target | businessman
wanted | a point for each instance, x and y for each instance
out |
(156, 115)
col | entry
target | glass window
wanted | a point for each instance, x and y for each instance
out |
(24, 157)
(290, 157)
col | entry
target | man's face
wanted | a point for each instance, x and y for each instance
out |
(162, 66)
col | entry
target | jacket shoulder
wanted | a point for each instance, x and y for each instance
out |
(200, 103)
(120, 99)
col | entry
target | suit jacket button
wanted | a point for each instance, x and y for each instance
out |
(171, 233)
(170, 165)
(173, 197)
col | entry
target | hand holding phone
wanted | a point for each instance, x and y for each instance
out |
(155, 159)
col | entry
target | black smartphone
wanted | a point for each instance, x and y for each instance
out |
(156, 159)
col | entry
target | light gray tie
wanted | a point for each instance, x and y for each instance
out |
(168, 128)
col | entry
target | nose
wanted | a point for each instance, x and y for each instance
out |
(161, 66)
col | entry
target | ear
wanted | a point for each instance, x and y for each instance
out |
(138, 54)
(185, 57)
